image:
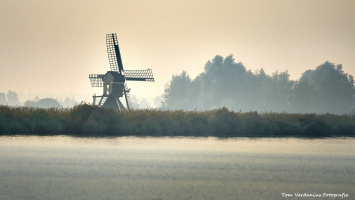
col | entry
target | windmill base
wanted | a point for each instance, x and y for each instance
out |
(109, 101)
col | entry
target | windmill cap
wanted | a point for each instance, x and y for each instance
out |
(112, 76)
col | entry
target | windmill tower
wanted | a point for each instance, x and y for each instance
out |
(114, 81)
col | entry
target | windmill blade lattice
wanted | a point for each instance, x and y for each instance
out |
(96, 80)
(139, 75)
(128, 97)
(113, 52)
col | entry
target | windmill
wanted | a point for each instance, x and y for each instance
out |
(114, 81)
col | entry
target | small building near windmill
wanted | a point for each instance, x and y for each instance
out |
(3, 100)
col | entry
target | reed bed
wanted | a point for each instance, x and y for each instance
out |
(89, 120)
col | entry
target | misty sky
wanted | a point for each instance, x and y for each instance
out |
(50, 47)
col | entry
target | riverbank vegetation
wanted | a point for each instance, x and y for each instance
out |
(86, 120)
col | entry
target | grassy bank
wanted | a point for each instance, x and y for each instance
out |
(87, 120)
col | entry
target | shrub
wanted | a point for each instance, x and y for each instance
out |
(225, 123)
(78, 117)
(313, 126)
(102, 121)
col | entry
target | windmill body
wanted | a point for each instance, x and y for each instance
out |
(114, 81)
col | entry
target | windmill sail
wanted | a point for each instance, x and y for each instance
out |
(96, 80)
(128, 97)
(139, 75)
(113, 51)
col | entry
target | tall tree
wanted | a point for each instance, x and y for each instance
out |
(3, 100)
(176, 93)
(325, 89)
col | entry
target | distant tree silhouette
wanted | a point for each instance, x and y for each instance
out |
(325, 89)
(69, 102)
(227, 83)
(176, 93)
(12, 98)
(3, 100)
(44, 103)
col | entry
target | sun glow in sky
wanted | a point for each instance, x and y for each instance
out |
(50, 47)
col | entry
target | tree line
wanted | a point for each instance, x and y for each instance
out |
(11, 99)
(326, 89)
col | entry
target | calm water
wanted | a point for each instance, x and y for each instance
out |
(61, 167)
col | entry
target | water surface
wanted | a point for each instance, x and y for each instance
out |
(62, 167)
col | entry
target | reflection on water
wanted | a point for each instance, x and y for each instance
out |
(61, 167)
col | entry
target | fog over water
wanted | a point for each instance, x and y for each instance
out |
(61, 167)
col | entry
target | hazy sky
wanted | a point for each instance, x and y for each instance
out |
(50, 47)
